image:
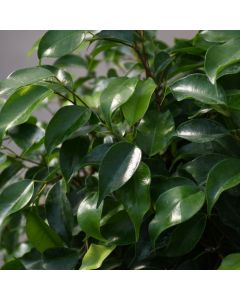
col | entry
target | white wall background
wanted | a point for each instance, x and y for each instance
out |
(14, 45)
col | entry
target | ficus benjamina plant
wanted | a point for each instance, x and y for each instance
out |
(138, 166)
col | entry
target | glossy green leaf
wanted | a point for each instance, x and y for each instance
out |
(15, 197)
(58, 212)
(136, 106)
(230, 262)
(23, 77)
(117, 167)
(64, 123)
(223, 176)
(200, 166)
(20, 105)
(124, 36)
(89, 216)
(9, 173)
(165, 184)
(135, 196)
(56, 43)
(186, 235)
(116, 94)
(221, 56)
(198, 87)
(72, 154)
(70, 60)
(174, 207)
(201, 130)
(154, 132)
(60, 259)
(95, 256)
(39, 234)
(219, 36)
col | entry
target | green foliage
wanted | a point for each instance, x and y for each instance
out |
(137, 168)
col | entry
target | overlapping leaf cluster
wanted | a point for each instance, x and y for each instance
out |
(139, 165)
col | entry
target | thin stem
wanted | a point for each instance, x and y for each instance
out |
(16, 156)
(66, 98)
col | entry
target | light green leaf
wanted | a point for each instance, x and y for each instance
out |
(223, 176)
(56, 43)
(22, 78)
(221, 56)
(198, 87)
(135, 196)
(89, 216)
(20, 105)
(15, 197)
(64, 123)
(174, 207)
(95, 256)
(117, 167)
(39, 234)
(155, 132)
(230, 262)
(136, 106)
(201, 130)
(116, 94)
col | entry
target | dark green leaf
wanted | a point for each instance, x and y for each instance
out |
(70, 60)
(56, 43)
(124, 36)
(220, 56)
(72, 155)
(155, 132)
(64, 123)
(200, 167)
(117, 167)
(58, 212)
(119, 229)
(96, 156)
(26, 135)
(186, 235)
(174, 207)
(198, 87)
(223, 176)
(135, 196)
(201, 130)
(60, 259)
